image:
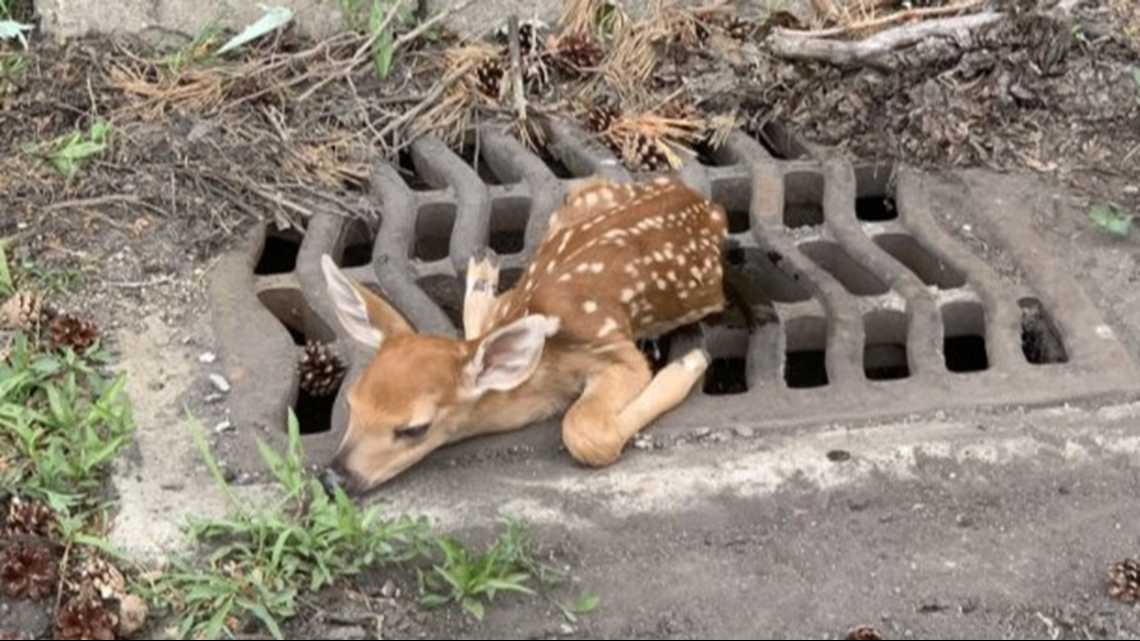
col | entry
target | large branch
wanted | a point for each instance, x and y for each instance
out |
(848, 53)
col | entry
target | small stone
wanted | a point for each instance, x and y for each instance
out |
(388, 590)
(207, 358)
(567, 630)
(215, 397)
(745, 432)
(643, 442)
(224, 426)
(702, 432)
(346, 633)
(220, 383)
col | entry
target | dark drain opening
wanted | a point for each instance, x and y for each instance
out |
(556, 166)
(447, 292)
(855, 278)
(314, 413)
(929, 268)
(754, 271)
(509, 217)
(738, 221)
(778, 141)
(874, 202)
(509, 277)
(434, 224)
(489, 174)
(279, 252)
(803, 199)
(884, 352)
(411, 175)
(289, 307)
(805, 361)
(728, 372)
(358, 251)
(1040, 341)
(713, 156)
(964, 331)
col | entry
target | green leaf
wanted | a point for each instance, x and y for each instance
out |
(585, 604)
(475, 608)
(272, 19)
(259, 611)
(1111, 220)
(12, 30)
(6, 284)
(383, 49)
(1136, 75)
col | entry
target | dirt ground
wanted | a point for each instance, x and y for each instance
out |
(191, 166)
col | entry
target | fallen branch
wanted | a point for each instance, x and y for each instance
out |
(440, 87)
(900, 16)
(844, 53)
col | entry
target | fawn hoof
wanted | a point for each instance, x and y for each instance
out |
(484, 258)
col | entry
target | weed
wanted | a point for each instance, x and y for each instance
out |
(202, 47)
(257, 563)
(62, 421)
(7, 285)
(6, 9)
(376, 25)
(261, 560)
(67, 152)
(12, 65)
(1110, 219)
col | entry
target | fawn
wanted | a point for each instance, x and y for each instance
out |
(617, 263)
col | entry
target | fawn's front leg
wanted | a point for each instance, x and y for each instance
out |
(622, 399)
(482, 286)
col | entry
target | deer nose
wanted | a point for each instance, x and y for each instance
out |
(331, 480)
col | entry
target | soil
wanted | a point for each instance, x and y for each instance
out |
(192, 166)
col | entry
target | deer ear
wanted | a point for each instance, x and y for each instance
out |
(351, 308)
(507, 357)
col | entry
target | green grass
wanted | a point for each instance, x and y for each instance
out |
(67, 152)
(255, 565)
(1112, 219)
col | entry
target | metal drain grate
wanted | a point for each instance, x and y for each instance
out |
(883, 297)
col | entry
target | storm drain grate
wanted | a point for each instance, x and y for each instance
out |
(873, 293)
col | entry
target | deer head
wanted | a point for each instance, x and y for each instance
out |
(418, 391)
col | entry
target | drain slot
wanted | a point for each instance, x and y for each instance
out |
(508, 224)
(884, 353)
(1040, 340)
(803, 199)
(805, 360)
(434, 225)
(447, 292)
(964, 343)
(358, 251)
(855, 278)
(314, 413)
(488, 173)
(407, 169)
(756, 271)
(873, 201)
(728, 372)
(279, 252)
(288, 306)
(932, 271)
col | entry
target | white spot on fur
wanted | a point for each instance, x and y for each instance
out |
(597, 268)
(565, 278)
(607, 327)
(589, 307)
(695, 272)
(661, 284)
(627, 295)
(641, 287)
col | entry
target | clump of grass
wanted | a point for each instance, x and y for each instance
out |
(257, 563)
(66, 153)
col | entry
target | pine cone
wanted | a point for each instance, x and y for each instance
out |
(21, 312)
(649, 156)
(30, 518)
(28, 571)
(1124, 581)
(97, 580)
(864, 633)
(68, 330)
(489, 74)
(85, 620)
(736, 27)
(601, 116)
(320, 370)
(578, 52)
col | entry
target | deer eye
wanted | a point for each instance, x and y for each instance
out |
(412, 432)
